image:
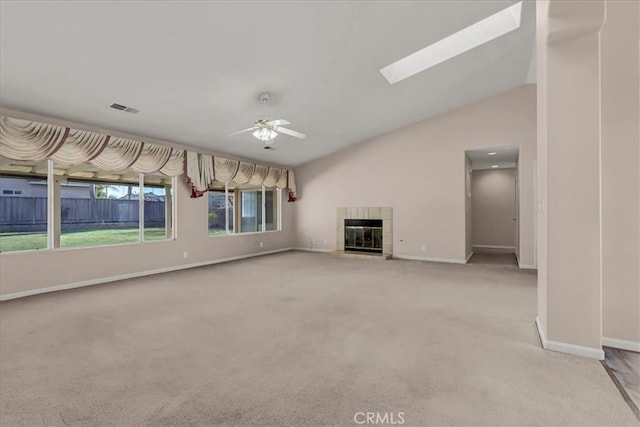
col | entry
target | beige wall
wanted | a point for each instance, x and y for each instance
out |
(588, 179)
(570, 196)
(620, 171)
(24, 271)
(419, 171)
(493, 199)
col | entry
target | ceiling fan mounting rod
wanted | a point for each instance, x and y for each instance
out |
(264, 97)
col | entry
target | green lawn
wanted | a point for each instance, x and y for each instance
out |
(218, 232)
(10, 242)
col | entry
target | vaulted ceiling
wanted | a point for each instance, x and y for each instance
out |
(195, 69)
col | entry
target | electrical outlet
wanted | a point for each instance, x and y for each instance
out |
(185, 254)
(261, 244)
(325, 241)
(424, 248)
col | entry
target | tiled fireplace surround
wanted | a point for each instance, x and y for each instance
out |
(383, 213)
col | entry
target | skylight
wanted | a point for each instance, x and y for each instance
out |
(466, 39)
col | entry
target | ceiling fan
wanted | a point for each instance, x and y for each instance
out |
(266, 130)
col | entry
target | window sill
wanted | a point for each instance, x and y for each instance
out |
(75, 248)
(244, 234)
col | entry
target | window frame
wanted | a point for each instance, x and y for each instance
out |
(237, 210)
(225, 193)
(34, 177)
(54, 210)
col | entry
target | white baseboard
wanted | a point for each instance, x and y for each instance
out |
(312, 249)
(621, 344)
(431, 259)
(407, 257)
(511, 248)
(576, 350)
(466, 261)
(543, 339)
(7, 297)
(527, 267)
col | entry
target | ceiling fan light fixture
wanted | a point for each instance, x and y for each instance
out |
(265, 135)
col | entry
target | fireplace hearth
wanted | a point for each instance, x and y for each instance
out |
(363, 235)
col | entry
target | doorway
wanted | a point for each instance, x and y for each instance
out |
(492, 206)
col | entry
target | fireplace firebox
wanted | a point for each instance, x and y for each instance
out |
(363, 235)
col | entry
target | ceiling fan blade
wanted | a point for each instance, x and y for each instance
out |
(242, 131)
(278, 122)
(291, 132)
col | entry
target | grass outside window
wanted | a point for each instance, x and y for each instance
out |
(10, 242)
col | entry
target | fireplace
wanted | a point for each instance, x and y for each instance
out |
(363, 235)
(351, 224)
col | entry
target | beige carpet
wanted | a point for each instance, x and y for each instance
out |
(296, 339)
(497, 258)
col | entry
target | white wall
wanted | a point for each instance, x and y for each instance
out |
(493, 199)
(419, 170)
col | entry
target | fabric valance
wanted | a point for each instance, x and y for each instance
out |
(34, 141)
(29, 140)
(202, 170)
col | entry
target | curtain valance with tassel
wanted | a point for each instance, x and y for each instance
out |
(29, 140)
(33, 141)
(203, 170)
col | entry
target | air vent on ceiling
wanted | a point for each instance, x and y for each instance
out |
(124, 108)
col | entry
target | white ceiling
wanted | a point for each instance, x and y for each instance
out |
(195, 68)
(505, 157)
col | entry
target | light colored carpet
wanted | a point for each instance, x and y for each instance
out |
(296, 339)
(497, 258)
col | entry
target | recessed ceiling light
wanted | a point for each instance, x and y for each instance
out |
(466, 39)
(493, 153)
(495, 166)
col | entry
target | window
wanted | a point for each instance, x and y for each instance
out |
(252, 218)
(218, 219)
(98, 213)
(244, 211)
(46, 205)
(109, 208)
(23, 213)
(158, 216)
(251, 211)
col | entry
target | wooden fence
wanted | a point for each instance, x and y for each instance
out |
(30, 213)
